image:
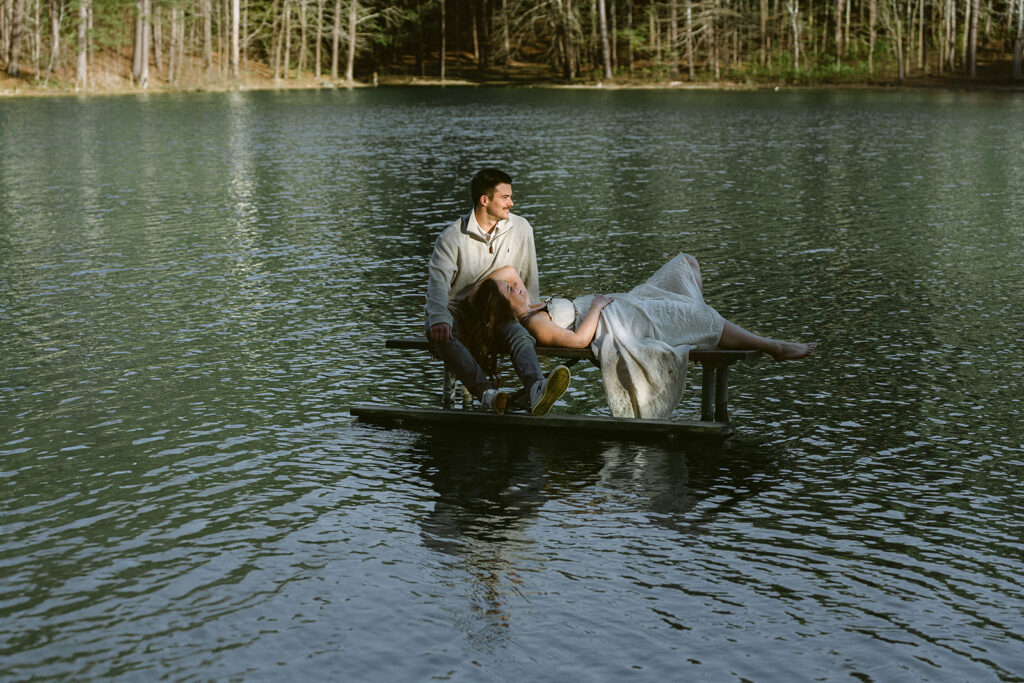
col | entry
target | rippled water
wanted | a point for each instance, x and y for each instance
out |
(196, 288)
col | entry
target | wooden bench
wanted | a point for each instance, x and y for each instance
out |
(714, 381)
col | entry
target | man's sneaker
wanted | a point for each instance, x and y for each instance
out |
(495, 400)
(544, 394)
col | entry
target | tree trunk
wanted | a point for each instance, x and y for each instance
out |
(972, 40)
(606, 55)
(967, 24)
(82, 70)
(236, 21)
(350, 64)
(319, 37)
(172, 48)
(1018, 51)
(713, 61)
(444, 38)
(613, 35)
(846, 30)
(158, 39)
(17, 28)
(140, 58)
(303, 39)
(506, 39)
(56, 13)
(794, 18)
(136, 38)
(629, 31)
(839, 31)
(207, 8)
(673, 39)
(36, 37)
(335, 39)
(564, 14)
(872, 35)
(484, 21)
(277, 28)
(763, 16)
(475, 20)
(243, 38)
(287, 30)
(689, 41)
(921, 35)
(902, 68)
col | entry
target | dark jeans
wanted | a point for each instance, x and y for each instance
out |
(520, 346)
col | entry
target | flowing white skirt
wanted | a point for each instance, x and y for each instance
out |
(644, 338)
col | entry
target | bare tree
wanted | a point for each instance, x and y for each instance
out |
(1018, 46)
(17, 28)
(673, 39)
(236, 21)
(158, 37)
(207, 10)
(793, 7)
(82, 71)
(689, 40)
(894, 25)
(303, 35)
(56, 17)
(140, 58)
(872, 34)
(336, 39)
(606, 57)
(972, 40)
(318, 56)
(839, 31)
(353, 21)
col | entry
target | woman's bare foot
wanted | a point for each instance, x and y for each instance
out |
(793, 350)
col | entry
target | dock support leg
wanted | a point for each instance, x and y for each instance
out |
(722, 394)
(707, 393)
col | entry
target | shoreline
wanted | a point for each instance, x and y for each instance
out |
(19, 87)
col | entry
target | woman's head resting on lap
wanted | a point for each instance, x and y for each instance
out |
(489, 312)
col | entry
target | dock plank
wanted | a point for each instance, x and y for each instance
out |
(589, 425)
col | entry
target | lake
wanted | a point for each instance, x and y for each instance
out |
(195, 289)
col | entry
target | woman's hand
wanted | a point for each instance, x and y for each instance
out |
(600, 301)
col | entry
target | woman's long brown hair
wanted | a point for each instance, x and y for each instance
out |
(484, 326)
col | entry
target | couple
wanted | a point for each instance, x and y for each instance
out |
(482, 300)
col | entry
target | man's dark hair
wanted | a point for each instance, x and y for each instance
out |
(485, 181)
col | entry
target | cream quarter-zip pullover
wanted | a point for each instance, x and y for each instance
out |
(464, 254)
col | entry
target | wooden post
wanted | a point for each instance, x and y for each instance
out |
(722, 393)
(707, 393)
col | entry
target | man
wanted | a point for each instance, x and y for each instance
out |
(468, 250)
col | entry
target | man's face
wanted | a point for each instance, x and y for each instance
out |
(498, 203)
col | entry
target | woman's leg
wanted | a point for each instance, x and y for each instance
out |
(735, 337)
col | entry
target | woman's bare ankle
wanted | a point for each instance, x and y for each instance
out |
(792, 350)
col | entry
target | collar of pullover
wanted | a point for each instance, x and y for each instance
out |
(473, 229)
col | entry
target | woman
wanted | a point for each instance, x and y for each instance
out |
(642, 338)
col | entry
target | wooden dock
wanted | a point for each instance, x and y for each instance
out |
(713, 425)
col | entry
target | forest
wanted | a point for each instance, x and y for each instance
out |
(188, 43)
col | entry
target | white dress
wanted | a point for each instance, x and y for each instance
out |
(644, 338)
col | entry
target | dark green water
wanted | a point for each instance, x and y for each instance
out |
(194, 290)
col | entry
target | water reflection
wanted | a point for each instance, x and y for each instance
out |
(490, 490)
(510, 506)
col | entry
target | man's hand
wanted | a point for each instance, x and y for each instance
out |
(441, 333)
